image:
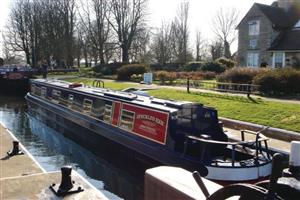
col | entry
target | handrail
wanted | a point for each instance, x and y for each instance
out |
(226, 143)
(258, 147)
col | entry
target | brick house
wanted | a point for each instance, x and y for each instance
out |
(270, 35)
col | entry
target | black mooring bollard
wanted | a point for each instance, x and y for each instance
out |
(16, 150)
(66, 185)
(66, 181)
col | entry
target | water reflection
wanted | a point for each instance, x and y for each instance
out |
(52, 150)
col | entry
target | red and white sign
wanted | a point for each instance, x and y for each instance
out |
(116, 113)
(149, 123)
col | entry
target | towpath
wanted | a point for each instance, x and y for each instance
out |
(21, 177)
(155, 86)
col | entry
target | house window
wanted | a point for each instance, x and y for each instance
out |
(127, 119)
(254, 27)
(279, 59)
(252, 59)
(253, 43)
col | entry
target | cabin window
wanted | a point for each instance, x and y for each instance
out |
(87, 106)
(107, 113)
(98, 108)
(70, 100)
(127, 119)
(37, 91)
(55, 96)
(32, 88)
(63, 100)
(44, 92)
(77, 104)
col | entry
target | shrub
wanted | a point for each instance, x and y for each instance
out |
(196, 75)
(172, 67)
(164, 76)
(156, 67)
(239, 75)
(126, 71)
(192, 66)
(228, 63)
(107, 69)
(279, 82)
(136, 77)
(213, 67)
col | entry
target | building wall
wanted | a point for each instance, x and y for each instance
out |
(264, 39)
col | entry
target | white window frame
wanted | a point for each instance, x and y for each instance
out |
(274, 58)
(252, 59)
(254, 27)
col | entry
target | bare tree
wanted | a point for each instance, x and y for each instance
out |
(17, 36)
(216, 50)
(200, 49)
(95, 20)
(224, 24)
(127, 20)
(161, 44)
(180, 33)
(42, 30)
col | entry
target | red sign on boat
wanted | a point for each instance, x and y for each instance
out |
(149, 123)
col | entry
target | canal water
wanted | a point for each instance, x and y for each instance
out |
(52, 150)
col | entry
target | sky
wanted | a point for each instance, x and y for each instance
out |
(200, 15)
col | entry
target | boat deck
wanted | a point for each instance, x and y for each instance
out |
(278, 145)
(21, 177)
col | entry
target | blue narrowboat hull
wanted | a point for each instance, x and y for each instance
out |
(95, 131)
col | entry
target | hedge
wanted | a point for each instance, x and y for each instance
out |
(243, 75)
(279, 82)
(107, 69)
(213, 67)
(228, 63)
(126, 71)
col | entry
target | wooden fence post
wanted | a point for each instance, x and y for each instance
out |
(248, 90)
(188, 85)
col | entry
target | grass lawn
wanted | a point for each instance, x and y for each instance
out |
(115, 85)
(274, 114)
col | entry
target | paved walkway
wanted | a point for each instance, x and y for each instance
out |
(21, 177)
(273, 143)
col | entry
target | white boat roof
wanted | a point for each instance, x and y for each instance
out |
(144, 101)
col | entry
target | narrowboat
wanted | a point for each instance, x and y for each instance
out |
(15, 79)
(175, 133)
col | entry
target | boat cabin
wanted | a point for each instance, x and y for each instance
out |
(166, 122)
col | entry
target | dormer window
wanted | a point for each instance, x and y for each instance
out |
(254, 27)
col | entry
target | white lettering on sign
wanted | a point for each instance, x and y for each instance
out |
(151, 118)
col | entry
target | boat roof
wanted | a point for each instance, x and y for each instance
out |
(144, 101)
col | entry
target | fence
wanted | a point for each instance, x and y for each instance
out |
(220, 87)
